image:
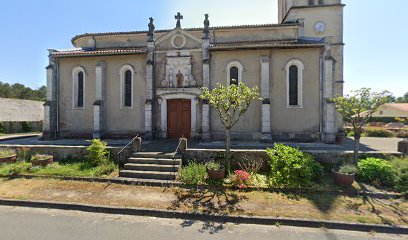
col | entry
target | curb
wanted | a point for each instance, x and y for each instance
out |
(205, 217)
(377, 195)
(19, 137)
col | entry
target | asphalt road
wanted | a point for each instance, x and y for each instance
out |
(18, 223)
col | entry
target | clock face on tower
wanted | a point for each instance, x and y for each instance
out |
(320, 27)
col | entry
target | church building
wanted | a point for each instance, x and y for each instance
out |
(121, 84)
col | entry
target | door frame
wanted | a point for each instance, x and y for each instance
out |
(163, 111)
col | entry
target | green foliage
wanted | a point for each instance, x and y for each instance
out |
(24, 155)
(376, 171)
(347, 169)
(20, 91)
(40, 157)
(26, 127)
(1, 128)
(259, 180)
(98, 153)
(230, 103)
(7, 153)
(214, 166)
(14, 169)
(378, 132)
(403, 99)
(291, 168)
(402, 183)
(193, 174)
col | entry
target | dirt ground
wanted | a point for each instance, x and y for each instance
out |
(310, 206)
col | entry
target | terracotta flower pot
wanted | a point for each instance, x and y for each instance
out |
(11, 159)
(216, 174)
(42, 162)
(344, 180)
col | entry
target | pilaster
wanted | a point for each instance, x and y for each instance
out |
(99, 109)
(266, 106)
(49, 125)
(329, 111)
(205, 120)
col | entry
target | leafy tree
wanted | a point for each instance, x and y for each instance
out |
(230, 103)
(20, 91)
(403, 99)
(358, 108)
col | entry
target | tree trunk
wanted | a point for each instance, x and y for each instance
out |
(227, 148)
(357, 137)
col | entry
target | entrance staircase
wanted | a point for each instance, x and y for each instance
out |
(152, 166)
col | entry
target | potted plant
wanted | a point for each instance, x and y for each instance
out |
(215, 171)
(8, 156)
(41, 160)
(341, 137)
(345, 176)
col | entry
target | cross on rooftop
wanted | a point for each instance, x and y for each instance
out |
(178, 17)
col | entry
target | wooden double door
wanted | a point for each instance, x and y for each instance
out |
(178, 118)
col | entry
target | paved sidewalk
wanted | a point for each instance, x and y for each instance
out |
(388, 145)
(19, 136)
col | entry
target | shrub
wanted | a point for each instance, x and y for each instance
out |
(1, 128)
(26, 127)
(347, 169)
(402, 134)
(24, 155)
(290, 167)
(7, 153)
(105, 169)
(214, 166)
(378, 132)
(98, 154)
(259, 180)
(402, 183)
(240, 179)
(193, 174)
(40, 157)
(250, 164)
(375, 170)
(14, 169)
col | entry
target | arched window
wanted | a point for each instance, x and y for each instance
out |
(80, 97)
(294, 83)
(128, 89)
(233, 76)
(78, 85)
(126, 86)
(234, 73)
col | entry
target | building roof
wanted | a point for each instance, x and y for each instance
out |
(18, 110)
(81, 52)
(270, 44)
(187, 29)
(392, 110)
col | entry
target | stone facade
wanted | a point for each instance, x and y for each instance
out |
(129, 77)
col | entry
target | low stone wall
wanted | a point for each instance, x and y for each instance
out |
(59, 152)
(324, 157)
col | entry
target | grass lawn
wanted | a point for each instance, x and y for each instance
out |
(214, 201)
(79, 169)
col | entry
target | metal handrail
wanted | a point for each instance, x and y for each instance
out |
(127, 145)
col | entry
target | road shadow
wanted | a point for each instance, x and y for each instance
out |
(212, 200)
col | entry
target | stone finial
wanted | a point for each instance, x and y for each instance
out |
(183, 144)
(206, 30)
(178, 17)
(137, 144)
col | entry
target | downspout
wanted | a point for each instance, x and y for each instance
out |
(57, 93)
(321, 98)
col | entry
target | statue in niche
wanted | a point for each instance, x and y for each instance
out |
(180, 79)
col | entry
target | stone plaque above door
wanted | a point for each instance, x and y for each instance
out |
(178, 73)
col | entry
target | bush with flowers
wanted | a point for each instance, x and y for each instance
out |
(240, 179)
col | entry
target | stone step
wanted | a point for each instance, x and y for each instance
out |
(158, 161)
(147, 175)
(156, 155)
(151, 167)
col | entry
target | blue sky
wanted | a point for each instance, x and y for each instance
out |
(375, 32)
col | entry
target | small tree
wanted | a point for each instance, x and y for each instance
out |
(358, 108)
(230, 103)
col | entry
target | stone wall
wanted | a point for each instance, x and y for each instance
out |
(59, 152)
(324, 157)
